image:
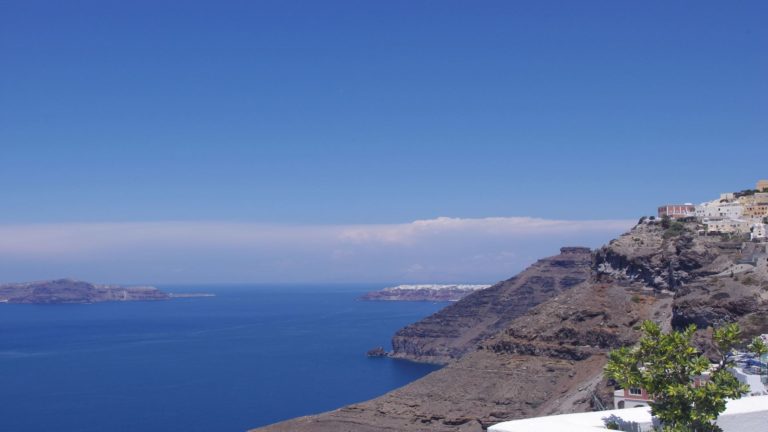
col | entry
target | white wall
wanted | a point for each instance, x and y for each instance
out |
(748, 414)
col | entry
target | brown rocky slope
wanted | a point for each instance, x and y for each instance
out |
(548, 358)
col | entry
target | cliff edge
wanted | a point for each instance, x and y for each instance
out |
(457, 329)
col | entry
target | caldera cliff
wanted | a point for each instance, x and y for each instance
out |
(536, 344)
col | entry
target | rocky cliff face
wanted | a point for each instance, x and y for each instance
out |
(714, 279)
(457, 329)
(645, 256)
(72, 291)
(738, 293)
(537, 343)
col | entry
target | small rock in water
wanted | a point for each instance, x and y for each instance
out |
(377, 352)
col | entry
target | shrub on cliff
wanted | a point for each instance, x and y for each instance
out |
(666, 364)
(666, 221)
(674, 229)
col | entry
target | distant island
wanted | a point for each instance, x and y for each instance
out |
(424, 292)
(74, 291)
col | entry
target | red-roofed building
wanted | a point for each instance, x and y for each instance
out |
(678, 211)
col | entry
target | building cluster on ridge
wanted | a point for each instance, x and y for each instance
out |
(744, 212)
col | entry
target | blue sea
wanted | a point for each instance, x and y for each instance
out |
(250, 356)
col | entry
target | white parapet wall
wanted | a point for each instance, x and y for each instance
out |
(743, 415)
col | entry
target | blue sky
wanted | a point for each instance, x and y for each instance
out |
(327, 114)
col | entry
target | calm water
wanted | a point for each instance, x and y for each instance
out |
(248, 357)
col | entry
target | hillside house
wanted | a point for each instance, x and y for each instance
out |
(730, 210)
(756, 198)
(756, 210)
(677, 211)
(635, 397)
(728, 226)
(758, 232)
(708, 210)
(632, 397)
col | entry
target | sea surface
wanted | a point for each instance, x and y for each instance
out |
(250, 356)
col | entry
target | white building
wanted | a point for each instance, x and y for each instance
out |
(708, 210)
(758, 231)
(728, 226)
(749, 414)
(632, 397)
(752, 380)
(731, 210)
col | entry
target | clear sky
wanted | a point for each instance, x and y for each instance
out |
(332, 114)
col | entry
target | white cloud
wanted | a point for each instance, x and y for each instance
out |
(420, 229)
(434, 250)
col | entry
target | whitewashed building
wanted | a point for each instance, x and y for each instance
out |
(731, 210)
(708, 210)
(758, 231)
(749, 414)
(728, 226)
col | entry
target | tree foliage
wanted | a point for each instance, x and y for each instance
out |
(666, 221)
(666, 364)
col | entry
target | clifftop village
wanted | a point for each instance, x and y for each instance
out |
(736, 213)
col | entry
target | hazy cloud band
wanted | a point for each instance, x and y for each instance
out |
(441, 249)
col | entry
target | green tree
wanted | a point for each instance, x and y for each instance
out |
(665, 365)
(666, 221)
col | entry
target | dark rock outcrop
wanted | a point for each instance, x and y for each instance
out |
(376, 352)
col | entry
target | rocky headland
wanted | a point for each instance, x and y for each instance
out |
(424, 292)
(536, 344)
(74, 291)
